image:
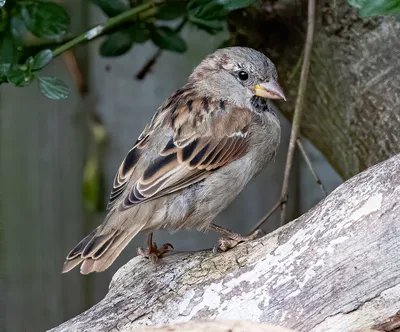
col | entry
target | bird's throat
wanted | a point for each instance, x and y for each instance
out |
(260, 105)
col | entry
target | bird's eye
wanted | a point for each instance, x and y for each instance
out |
(243, 75)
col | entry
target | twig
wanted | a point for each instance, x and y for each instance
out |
(71, 63)
(268, 214)
(295, 69)
(299, 103)
(44, 44)
(148, 66)
(112, 22)
(310, 166)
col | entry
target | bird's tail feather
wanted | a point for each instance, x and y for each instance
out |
(98, 250)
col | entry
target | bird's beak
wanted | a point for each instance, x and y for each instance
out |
(271, 90)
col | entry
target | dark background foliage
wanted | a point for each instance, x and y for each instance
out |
(130, 23)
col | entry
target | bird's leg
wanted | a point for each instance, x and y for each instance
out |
(152, 252)
(230, 239)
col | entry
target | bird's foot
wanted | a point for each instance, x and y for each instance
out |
(153, 253)
(231, 241)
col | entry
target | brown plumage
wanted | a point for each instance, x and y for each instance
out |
(199, 150)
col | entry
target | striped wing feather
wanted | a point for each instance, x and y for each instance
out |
(205, 139)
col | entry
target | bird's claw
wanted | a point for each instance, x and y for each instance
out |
(154, 253)
(226, 243)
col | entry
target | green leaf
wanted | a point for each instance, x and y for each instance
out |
(212, 10)
(235, 4)
(206, 10)
(121, 41)
(4, 68)
(226, 43)
(380, 8)
(112, 7)
(116, 43)
(18, 30)
(41, 59)
(53, 88)
(369, 8)
(17, 76)
(139, 32)
(167, 39)
(208, 15)
(356, 3)
(45, 20)
(171, 11)
(7, 48)
(210, 26)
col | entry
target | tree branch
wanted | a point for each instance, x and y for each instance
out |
(299, 105)
(111, 23)
(335, 268)
(267, 215)
(148, 66)
(310, 166)
(214, 326)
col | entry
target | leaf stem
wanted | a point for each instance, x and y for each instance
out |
(100, 29)
(151, 62)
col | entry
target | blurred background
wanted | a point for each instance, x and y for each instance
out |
(58, 160)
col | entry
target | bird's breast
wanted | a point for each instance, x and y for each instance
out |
(265, 136)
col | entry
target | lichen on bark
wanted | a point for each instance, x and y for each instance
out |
(334, 269)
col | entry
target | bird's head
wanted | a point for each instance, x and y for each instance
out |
(237, 74)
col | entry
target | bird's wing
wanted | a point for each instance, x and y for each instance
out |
(207, 134)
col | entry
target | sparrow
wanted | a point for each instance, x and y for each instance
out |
(198, 152)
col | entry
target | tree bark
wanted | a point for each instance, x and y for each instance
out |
(214, 326)
(336, 268)
(352, 105)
